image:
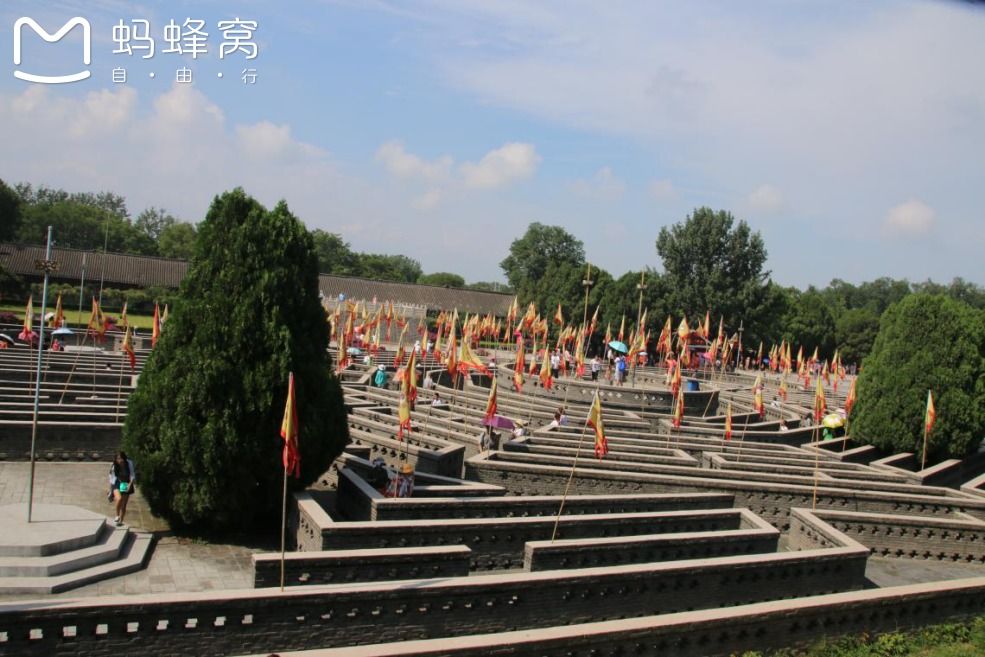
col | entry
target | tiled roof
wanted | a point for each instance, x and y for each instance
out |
(144, 271)
(114, 268)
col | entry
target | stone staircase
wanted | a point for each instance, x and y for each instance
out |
(64, 547)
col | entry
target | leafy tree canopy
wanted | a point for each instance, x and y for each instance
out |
(855, 331)
(177, 241)
(810, 323)
(203, 423)
(712, 263)
(529, 257)
(10, 212)
(442, 278)
(925, 342)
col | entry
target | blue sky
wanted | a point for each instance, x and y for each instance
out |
(849, 134)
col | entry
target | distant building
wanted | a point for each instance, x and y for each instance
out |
(123, 271)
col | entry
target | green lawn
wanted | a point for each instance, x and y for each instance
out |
(949, 640)
(74, 319)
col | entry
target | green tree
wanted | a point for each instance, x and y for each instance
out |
(334, 254)
(530, 256)
(177, 241)
(107, 201)
(710, 263)
(809, 322)
(442, 279)
(623, 298)
(925, 342)
(490, 286)
(76, 225)
(389, 267)
(856, 330)
(10, 212)
(152, 222)
(203, 423)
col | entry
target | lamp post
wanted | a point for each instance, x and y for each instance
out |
(586, 283)
(738, 351)
(47, 266)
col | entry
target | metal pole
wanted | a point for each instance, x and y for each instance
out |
(283, 530)
(102, 265)
(37, 377)
(82, 286)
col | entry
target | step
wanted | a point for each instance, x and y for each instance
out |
(108, 548)
(134, 556)
(54, 528)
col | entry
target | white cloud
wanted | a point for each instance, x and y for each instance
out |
(603, 185)
(511, 162)
(909, 219)
(174, 150)
(429, 200)
(497, 168)
(661, 190)
(766, 199)
(267, 141)
(402, 164)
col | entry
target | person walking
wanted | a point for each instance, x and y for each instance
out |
(122, 477)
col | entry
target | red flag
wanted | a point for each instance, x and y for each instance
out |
(519, 366)
(128, 349)
(820, 406)
(27, 330)
(931, 416)
(678, 411)
(595, 421)
(558, 317)
(851, 398)
(491, 404)
(156, 328)
(289, 432)
(97, 322)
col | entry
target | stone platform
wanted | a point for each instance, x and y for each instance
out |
(64, 547)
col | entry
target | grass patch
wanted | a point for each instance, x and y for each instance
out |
(75, 320)
(965, 639)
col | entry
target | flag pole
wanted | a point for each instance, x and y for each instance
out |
(571, 474)
(283, 530)
(923, 460)
(47, 265)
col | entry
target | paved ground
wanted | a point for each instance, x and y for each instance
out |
(177, 564)
(885, 571)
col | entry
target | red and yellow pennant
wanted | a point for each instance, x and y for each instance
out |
(128, 349)
(492, 402)
(851, 398)
(678, 416)
(545, 371)
(155, 334)
(930, 417)
(289, 432)
(820, 405)
(595, 421)
(728, 422)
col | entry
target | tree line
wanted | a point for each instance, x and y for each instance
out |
(709, 262)
(92, 221)
(712, 263)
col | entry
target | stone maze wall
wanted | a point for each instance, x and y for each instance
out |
(676, 542)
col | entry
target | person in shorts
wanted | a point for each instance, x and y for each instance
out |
(122, 477)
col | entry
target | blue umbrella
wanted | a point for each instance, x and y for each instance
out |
(62, 331)
(619, 346)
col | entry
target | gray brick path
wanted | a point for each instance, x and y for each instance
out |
(177, 564)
